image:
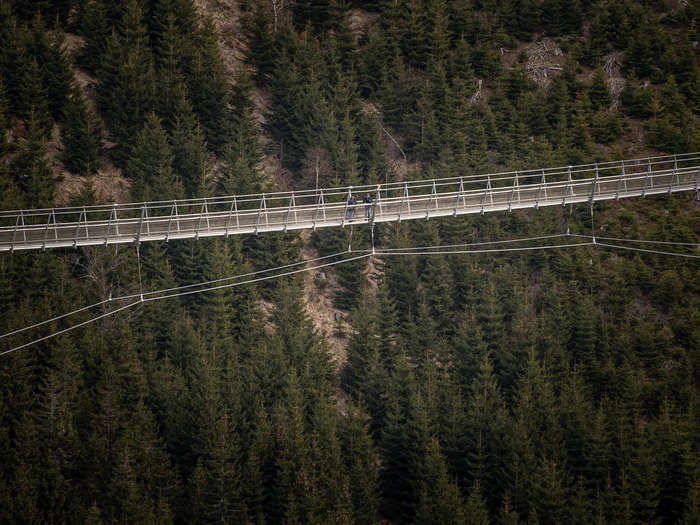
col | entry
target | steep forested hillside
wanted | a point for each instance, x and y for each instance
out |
(529, 387)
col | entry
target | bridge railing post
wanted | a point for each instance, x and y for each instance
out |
(230, 214)
(646, 178)
(320, 203)
(112, 217)
(460, 192)
(539, 191)
(544, 185)
(595, 181)
(83, 215)
(19, 221)
(144, 216)
(203, 212)
(674, 174)
(377, 203)
(620, 182)
(347, 204)
(405, 199)
(173, 212)
(433, 195)
(516, 187)
(487, 192)
(263, 206)
(292, 204)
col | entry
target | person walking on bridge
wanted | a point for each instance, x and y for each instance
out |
(352, 201)
(368, 200)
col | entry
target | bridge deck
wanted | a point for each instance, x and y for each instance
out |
(231, 215)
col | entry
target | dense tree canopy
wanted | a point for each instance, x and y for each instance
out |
(538, 387)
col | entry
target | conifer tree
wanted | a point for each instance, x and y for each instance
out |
(485, 430)
(507, 516)
(403, 441)
(80, 135)
(209, 91)
(149, 165)
(691, 511)
(126, 92)
(475, 507)
(190, 155)
(439, 35)
(598, 92)
(55, 66)
(31, 168)
(452, 421)
(361, 459)
(440, 500)
(34, 99)
(362, 345)
(242, 155)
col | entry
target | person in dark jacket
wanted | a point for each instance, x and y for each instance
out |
(368, 200)
(351, 207)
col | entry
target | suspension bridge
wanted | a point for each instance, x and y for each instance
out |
(321, 208)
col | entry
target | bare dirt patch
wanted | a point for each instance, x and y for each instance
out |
(327, 319)
(108, 184)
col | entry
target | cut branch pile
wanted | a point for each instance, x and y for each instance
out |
(543, 57)
(477, 94)
(613, 69)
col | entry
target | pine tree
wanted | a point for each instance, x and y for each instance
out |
(413, 42)
(691, 511)
(58, 431)
(362, 345)
(507, 516)
(439, 35)
(360, 456)
(31, 168)
(549, 494)
(126, 93)
(485, 429)
(55, 67)
(190, 155)
(440, 500)
(403, 441)
(476, 511)
(149, 165)
(209, 91)
(34, 103)
(145, 459)
(80, 135)
(469, 350)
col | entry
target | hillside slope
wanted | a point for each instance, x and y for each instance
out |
(539, 386)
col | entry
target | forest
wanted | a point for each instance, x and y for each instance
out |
(548, 387)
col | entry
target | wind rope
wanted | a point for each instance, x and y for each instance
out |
(489, 250)
(632, 248)
(148, 299)
(642, 241)
(483, 243)
(423, 250)
(92, 320)
(122, 297)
